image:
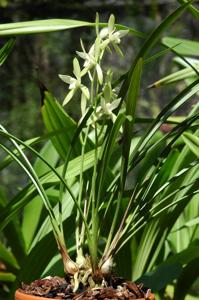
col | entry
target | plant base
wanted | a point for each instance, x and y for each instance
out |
(21, 296)
(59, 288)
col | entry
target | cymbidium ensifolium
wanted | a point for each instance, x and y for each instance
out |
(98, 92)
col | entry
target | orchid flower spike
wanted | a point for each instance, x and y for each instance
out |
(110, 35)
(75, 84)
(92, 59)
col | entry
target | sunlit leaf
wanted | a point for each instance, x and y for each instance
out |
(184, 47)
(192, 141)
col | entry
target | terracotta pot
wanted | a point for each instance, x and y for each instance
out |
(22, 296)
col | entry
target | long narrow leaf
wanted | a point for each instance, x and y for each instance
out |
(184, 47)
(51, 25)
(151, 41)
(131, 104)
(6, 50)
(192, 142)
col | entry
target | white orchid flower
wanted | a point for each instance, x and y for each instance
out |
(110, 34)
(91, 59)
(107, 108)
(109, 101)
(75, 84)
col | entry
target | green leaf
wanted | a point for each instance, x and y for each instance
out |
(131, 103)
(7, 277)
(194, 11)
(12, 234)
(150, 43)
(7, 160)
(158, 54)
(177, 102)
(49, 179)
(162, 276)
(184, 47)
(151, 155)
(155, 35)
(176, 76)
(157, 229)
(55, 118)
(6, 50)
(171, 269)
(45, 250)
(42, 26)
(51, 156)
(192, 142)
(30, 219)
(187, 278)
(193, 222)
(106, 156)
(68, 205)
(7, 256)
(51, 25)
(54, 267)
(25, 164)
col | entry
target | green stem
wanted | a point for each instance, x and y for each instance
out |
(93, 244)
(112, 229)
(95, 218)
(81, 184)
(82, 234)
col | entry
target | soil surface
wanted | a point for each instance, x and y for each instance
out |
(60, 288)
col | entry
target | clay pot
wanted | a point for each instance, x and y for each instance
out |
(22, 296)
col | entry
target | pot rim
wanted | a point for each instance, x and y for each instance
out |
(22, 296)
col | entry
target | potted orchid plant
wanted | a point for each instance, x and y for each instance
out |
(114, 177)
(104, 120)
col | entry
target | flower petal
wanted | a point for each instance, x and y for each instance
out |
(104, 106)
(92, 50)
(115, 38)
(74, 84)
(103, 32)
(84, 71)
(104, 44)
(82, 54)
(97, 24)
(66, 78)
(113, 117)
(99, 73)
(122, 33)
(76, 68)
(90, 76)
(83, 104)
(118, 50)
(114, 104)
(68, 97)
(82, 45)
(85, 91)
(111, 23)
(97, 48)
(107, 91)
